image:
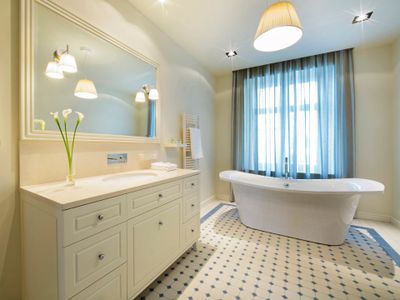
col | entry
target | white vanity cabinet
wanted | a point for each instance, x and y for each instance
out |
(111, 248)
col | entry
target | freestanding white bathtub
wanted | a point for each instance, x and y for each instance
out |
(317, 210)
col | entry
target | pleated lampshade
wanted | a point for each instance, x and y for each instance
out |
(153, 94)
(279, 28)
(85, 89)
(140, 97)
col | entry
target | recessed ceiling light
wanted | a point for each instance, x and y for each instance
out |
(362, 18)
(231, 53)
(162, 1)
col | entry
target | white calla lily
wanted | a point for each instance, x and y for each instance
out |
(55, 115)
(80, 115)
(66, 113)
(69, 147)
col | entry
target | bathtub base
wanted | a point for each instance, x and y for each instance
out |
(318, 218)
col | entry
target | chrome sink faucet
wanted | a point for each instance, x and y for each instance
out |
(117, 158)
(286, 168)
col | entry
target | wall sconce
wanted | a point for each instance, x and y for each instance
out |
(151, 93)
(140, 97)
(63, 61)
(85, 88)
(53, 70)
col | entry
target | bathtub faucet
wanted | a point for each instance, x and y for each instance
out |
(286, 168)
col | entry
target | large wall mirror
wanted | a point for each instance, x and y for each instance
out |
(71, 64)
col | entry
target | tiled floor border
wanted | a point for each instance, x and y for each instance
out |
(375, 235)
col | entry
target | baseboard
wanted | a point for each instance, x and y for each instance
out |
(224, 197)
(396, 222)
(373, 217)
(207, 201)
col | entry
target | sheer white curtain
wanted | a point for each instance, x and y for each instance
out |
(300, 109)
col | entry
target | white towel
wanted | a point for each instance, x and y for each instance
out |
(195, 141)
(163, 166)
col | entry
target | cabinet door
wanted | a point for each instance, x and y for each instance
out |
(153, 244)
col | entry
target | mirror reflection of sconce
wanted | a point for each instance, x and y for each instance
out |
(62, 62)
(140, 97)
(151, 93)
(85, 88)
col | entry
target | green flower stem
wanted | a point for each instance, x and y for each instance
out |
(62, 135)
(66, 131)
(73, 137)
(68, 148)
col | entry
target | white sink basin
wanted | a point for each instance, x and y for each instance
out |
(130, 176)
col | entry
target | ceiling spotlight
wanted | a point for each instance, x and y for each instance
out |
(362, 18)
(231, 53)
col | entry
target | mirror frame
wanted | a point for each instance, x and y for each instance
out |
(27, 131)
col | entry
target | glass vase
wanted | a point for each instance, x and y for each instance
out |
(70, 179)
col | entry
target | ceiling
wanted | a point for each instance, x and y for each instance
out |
(208, 28)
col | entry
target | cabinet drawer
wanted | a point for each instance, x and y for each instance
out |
(89, 260)
(112, 286)
(90, 219)
(191, 206)
(191, 230)
(153, 243)
(144, 200)
(191, 184)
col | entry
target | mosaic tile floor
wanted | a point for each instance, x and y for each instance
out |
(233, 261)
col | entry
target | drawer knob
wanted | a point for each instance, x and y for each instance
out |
(160, 223)
(160, 195)
(101, 256)
(193, 184)
(192, 230)
(192, 205)
(100, 217)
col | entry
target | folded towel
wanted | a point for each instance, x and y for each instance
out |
(195, 141)
(164, 166)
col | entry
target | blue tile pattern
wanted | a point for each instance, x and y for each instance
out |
(233, 261)
(381, 241)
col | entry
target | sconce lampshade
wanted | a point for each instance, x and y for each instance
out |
(279, 28)
(140, 97)
(68, 63)
(153, 94)
(85, 89)
(53, 70)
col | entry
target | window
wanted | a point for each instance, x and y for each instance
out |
(299, 121)
(300, 109)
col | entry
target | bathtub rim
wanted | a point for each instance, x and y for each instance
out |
(224, 177)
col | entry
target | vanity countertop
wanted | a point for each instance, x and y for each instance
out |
(91, 189)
